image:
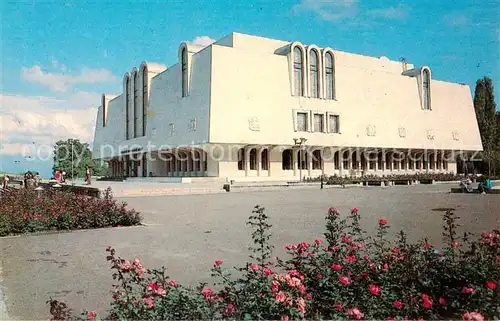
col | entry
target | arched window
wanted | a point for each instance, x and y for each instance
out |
(317, 159)
(313, 73)
(136, 101)
(336, 160)
(184, 61)
(298, 72)
(127, 109)
(241, 159)
(264, 160)
(426, 92)
(144, 100)
(329, 76)
(286, 159)
(253, 159)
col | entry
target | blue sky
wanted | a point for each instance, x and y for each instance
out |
(58, 56)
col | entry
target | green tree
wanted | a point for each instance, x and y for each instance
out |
(485, 107)
(73, 157)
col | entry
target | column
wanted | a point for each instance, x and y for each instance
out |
(309, 162)
(294, 162)
(246, 152)
(259, 160)
(189, 163)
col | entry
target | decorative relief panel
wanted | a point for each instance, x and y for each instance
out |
(456, 135)
(192, 125)
(430, 134)
(171, 129)
(371, 130)
(254, 124)
(402, 132)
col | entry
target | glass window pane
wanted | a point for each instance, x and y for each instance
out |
(334, 124)
(318, 123)
(302, 122)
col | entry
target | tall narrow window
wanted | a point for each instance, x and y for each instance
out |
(144, 100)
(241, 159)
(313, 73)
(334, 124)
(103, 111)
(264, 160)
(318, 123)
(426, 93)
(136, 101)
(317, 159)
(184, 62)
(302, 122)
(127, 109)
(336, 160)
(286, 159)
(329, 76)
(253, 159)
(298, 72)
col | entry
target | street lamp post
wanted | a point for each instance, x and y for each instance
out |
(299, 142)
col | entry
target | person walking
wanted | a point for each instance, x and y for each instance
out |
(88, 175)
(5, 182)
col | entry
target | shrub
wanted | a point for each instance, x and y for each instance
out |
(348, 275)
(24, 211)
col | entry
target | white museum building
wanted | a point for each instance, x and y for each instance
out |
(251, 108)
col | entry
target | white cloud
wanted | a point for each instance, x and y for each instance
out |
(60, 82)
(335, 10)
(456, 19)
(203, 41)
(40, 121)
(329, 9)
(398, 12)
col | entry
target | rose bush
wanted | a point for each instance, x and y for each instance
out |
(24, 211)
(348, 275)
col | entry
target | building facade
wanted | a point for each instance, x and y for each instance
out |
(252, 108)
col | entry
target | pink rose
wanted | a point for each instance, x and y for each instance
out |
(308, 297)
(334, 248)
(152, 286)
(291, 247)
(473, 316)
(427, 302)
(443, 301)
(333, 210)
(301, 288)
(397, 304)
(382, 221)
(149, 302)
(254, 267)
(275, 286)
(268, 271)
(364, 275)
(345, 239)
(467, 290)
(172, 283)
(229, 309)
(284, 317)
(297, 274)
(301, 305)
(319, 276)
(491, 285)
(218, 262)
(454, 244)
(280, 297)
(375, 289)
(339, 306)
(304, 245)
(355, 314)
(351, 259)
(336, 267)
(354, 210)
(92, 315)
(427, 245)
(344, 280)
(318, 241)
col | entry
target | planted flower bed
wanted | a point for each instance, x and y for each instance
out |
(25, 211)
(339, 180)
(345, 275)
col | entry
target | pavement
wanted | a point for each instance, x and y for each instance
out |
(187, 233)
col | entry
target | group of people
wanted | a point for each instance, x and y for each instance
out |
(31, 180)
(482, 187)
(60, 175)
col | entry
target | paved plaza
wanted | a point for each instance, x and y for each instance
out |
(187, 233)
